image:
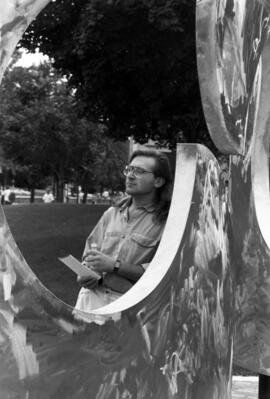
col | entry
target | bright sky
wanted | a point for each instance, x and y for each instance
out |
(29, 59)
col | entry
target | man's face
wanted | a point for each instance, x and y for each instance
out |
(143, 183)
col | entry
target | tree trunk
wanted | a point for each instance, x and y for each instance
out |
(60, 191)
(59, 188)
(84, 200)
(32, 195)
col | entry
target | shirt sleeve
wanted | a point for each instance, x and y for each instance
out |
(97, 234)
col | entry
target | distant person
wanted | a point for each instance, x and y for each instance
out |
(7, 196)
(105, 194)
(48, 197)
(128, 234)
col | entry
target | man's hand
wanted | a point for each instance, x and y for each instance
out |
(98, 262)
(87, 282)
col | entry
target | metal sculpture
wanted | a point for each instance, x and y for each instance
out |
(236, 39)
(209, 278)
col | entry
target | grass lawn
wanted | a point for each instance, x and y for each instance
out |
(44, 232)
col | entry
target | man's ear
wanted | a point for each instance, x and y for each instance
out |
(159, 181)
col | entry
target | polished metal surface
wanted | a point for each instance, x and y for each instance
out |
(171, 320)
(230, 39)
(208, 285)
(15, 16)
(234, 56)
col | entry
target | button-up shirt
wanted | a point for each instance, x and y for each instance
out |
(130, 238)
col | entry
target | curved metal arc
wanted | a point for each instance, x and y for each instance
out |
(186, 160)
(230, 38)
(166, 330)
(257, 342)
(206, 49)
(260, 156)
(185, 174)
(16, 16)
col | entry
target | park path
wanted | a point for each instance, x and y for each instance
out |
(245, 388)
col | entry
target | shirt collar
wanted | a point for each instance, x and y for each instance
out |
(150, 208)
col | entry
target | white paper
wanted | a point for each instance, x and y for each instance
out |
(78, 268)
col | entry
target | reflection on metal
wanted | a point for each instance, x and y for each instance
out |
(15, 17)
(234, 71)
(230, 39)
(209, 281)
(174, 338)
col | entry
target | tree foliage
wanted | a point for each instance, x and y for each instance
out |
(43, 133)
(132, 63)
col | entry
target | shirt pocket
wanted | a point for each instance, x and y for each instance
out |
(144, 241)
(142, 249)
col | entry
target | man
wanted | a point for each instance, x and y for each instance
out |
(128, 234)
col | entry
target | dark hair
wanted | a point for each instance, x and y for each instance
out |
(162, 169)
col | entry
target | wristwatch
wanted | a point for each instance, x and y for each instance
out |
(116, 266)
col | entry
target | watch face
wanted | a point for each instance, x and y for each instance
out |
(117, 265)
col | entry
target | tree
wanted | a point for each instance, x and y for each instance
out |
(133, 64)
(102, 166)
(110, 165)
(40, 127)
(43, 133)
(16, 117)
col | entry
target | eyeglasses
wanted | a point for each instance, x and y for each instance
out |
(136, 171)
